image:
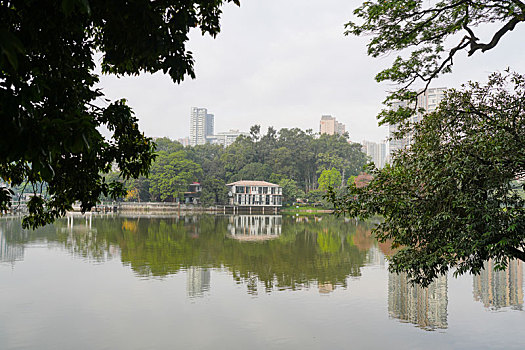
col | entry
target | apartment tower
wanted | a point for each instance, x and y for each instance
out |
(201, 125)
(329, 125)
(429, 101)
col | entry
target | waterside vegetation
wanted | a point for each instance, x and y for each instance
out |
(450, 200)
(304, 164)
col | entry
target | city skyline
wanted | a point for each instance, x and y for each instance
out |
(288, 73)
(202, 129)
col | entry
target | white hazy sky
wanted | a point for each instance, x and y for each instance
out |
(284, 63)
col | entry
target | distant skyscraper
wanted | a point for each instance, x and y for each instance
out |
(497, 289)
(424, 307)
(329, 125)
(429, 101)
(376, 151)
(201, 125)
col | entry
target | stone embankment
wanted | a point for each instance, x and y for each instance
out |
(160, 207)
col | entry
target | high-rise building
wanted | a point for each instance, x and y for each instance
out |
(201, 125)
(395, 143)
(329, 125)
(210, 120)
(376, 152)
(429, 101)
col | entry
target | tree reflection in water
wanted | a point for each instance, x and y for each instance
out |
(262, 252)
(272, 252)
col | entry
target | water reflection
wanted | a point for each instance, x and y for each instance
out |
(81, 238)
(498, 289)
(262, 253)
(255, 227)
(424, 307)
(198, 281)
(309, 253)
(9, 251)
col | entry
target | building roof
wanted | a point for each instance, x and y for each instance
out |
(252, 183)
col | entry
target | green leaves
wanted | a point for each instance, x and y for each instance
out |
(10, 48)
(49, 102)
(68, 6)
(428, 35)
(171, 174)
(449, 200)
(329, 179)
(446, 200)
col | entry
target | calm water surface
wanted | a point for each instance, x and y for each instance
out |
(237, 282)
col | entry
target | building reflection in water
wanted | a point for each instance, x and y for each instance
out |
(255, 227)
(81, 237)
(424, 307)
(198, 281)
(9, 252)
(375, 257)
(498, 289)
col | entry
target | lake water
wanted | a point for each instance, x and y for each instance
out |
(237, 282)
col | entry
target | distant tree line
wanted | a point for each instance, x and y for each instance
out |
(305, 164)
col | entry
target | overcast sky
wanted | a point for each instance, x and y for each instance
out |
(284, 63)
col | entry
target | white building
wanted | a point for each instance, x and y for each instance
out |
(226, 138)
(255, 194)
(201, 125)
(429, 101)
(376, 152)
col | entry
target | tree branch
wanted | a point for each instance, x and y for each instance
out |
(518, 254)
(474, 46)
(520, 4)
(463, 43)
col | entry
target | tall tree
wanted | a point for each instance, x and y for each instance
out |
(330, 178)
(48, 108)
(434, 33)
(267, 144)
(291, 192)
(214, 191)
(449, 200)
(171, 175)
(237, 155)
(335, 151)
